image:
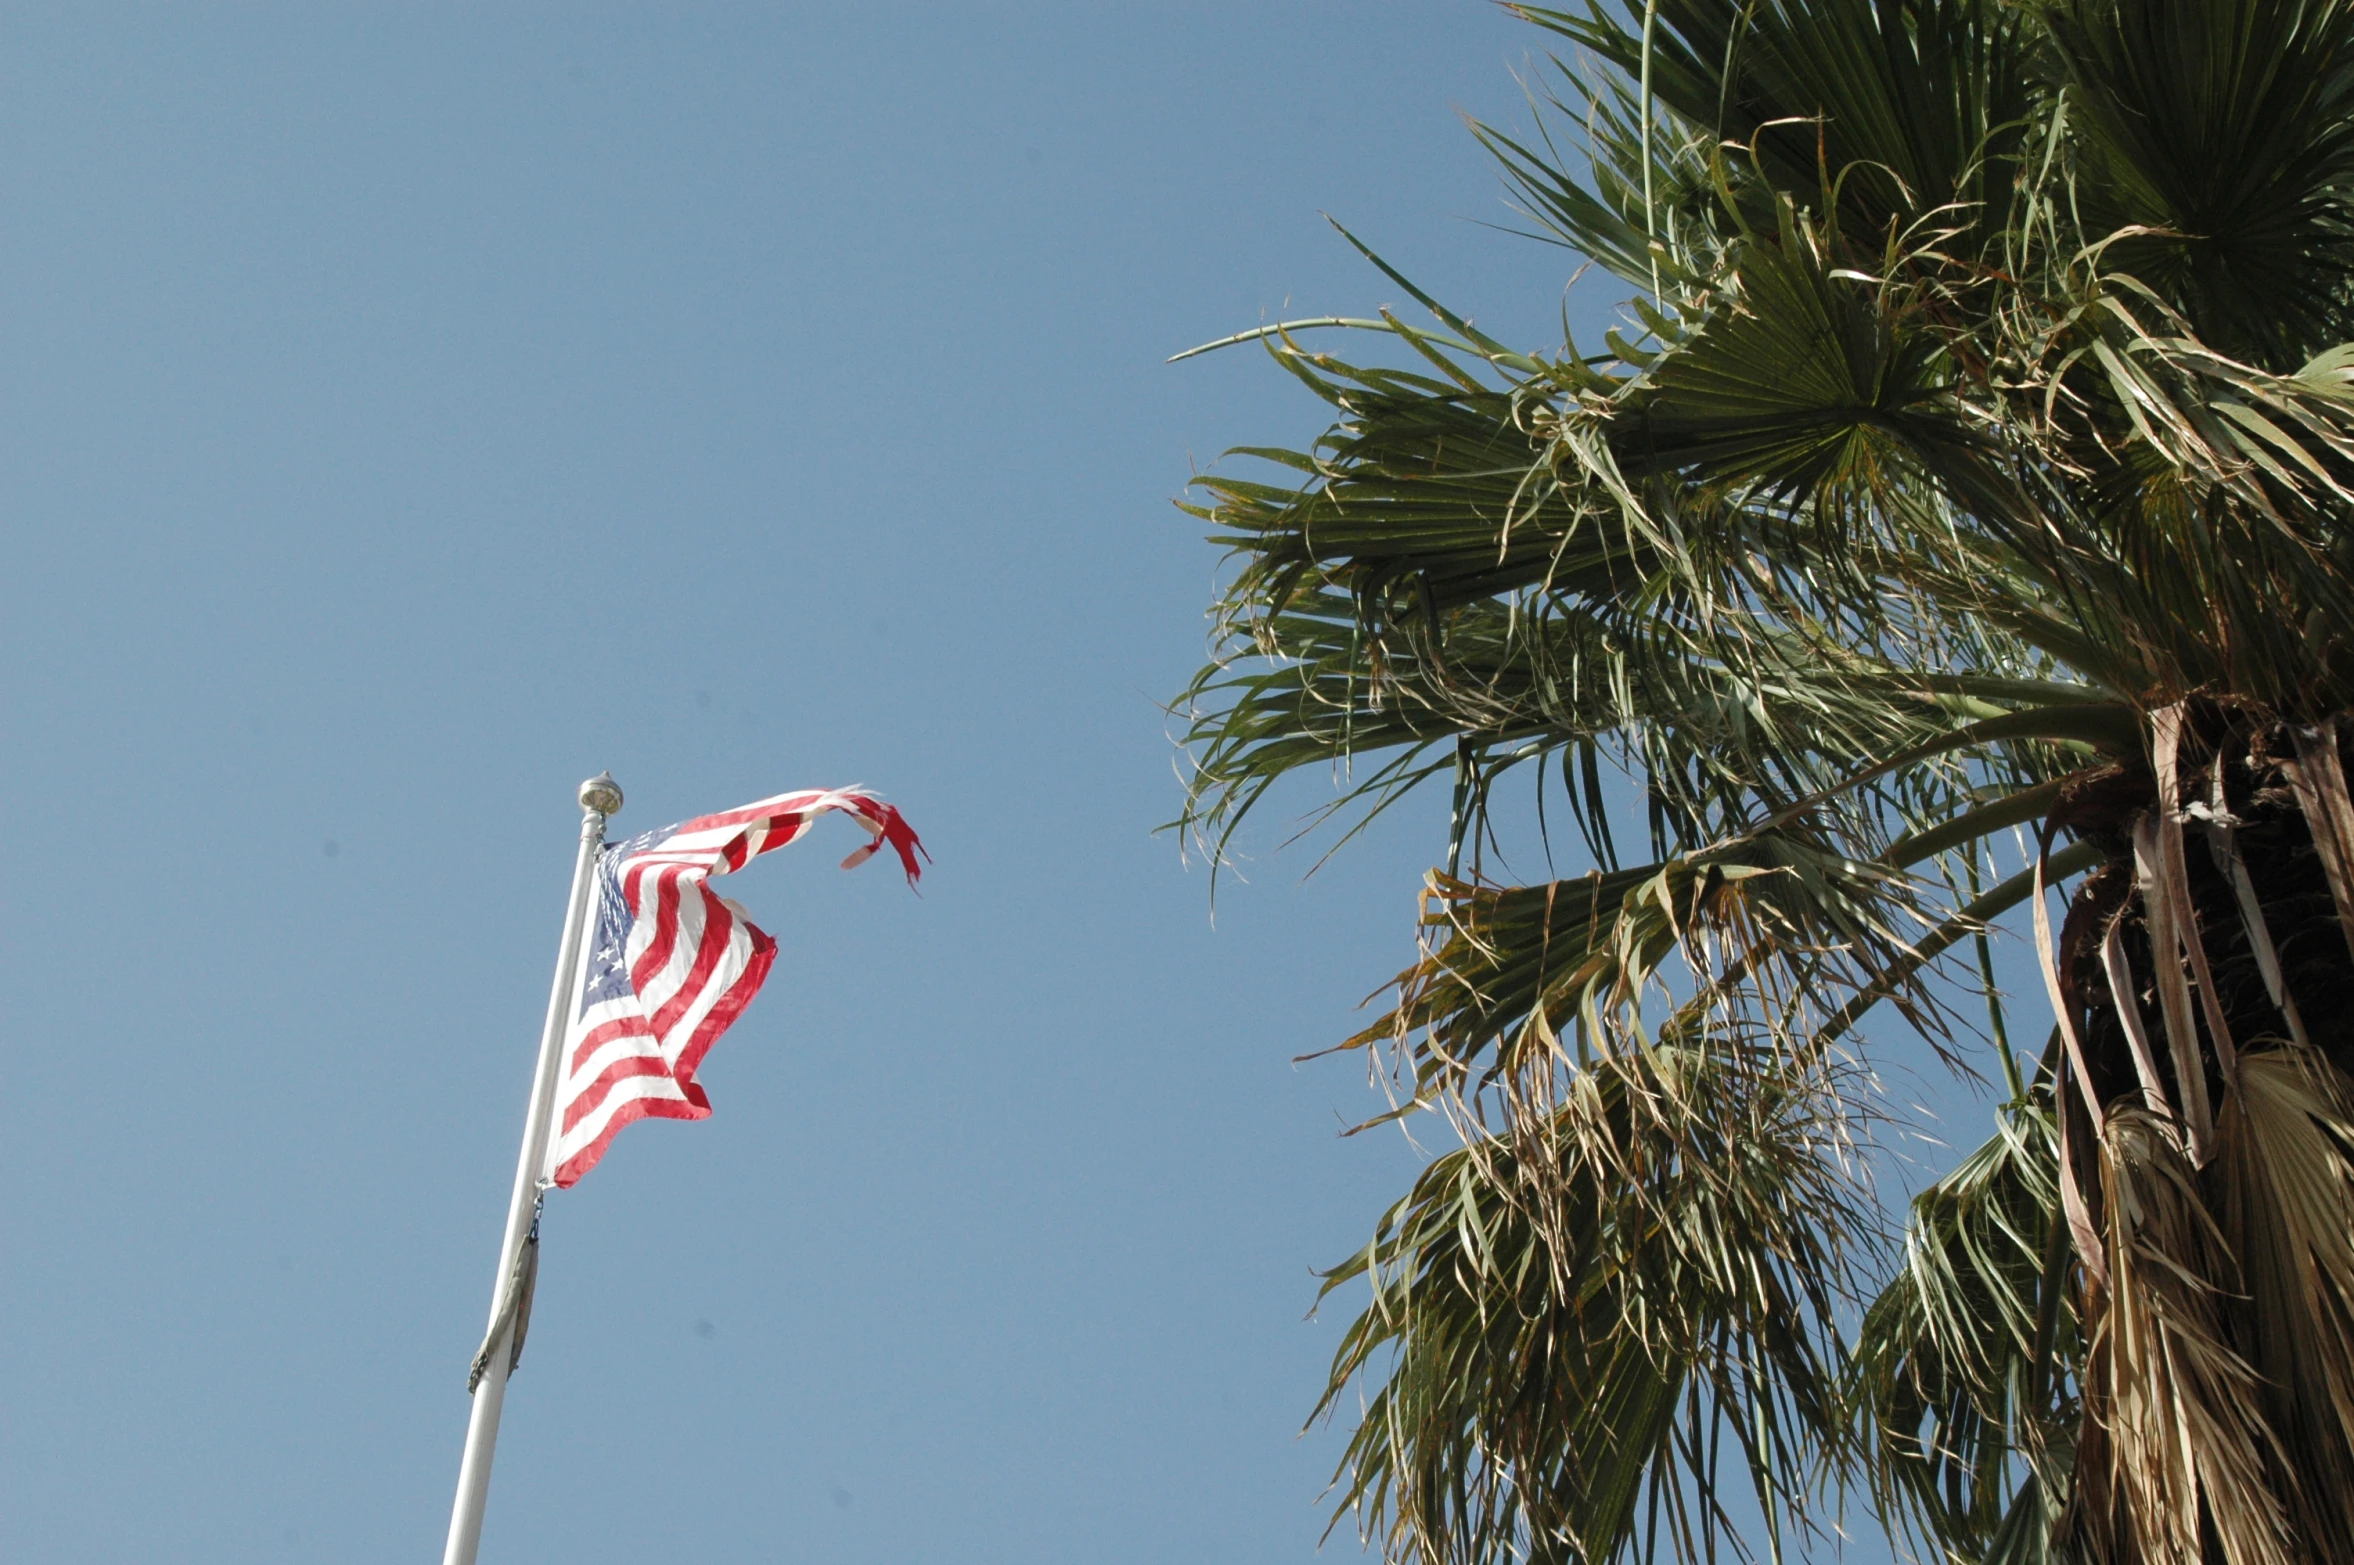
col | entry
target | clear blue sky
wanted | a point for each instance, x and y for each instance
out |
(406, 412)
(409, 411)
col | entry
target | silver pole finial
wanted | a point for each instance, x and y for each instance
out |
(601, 794)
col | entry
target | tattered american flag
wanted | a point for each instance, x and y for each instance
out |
(670, 964)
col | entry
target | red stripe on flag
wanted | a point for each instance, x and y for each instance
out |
(605, 1032)
(568, 1174)
(719, 928)
(589, 1096)
(730, 1005)
(667, 892)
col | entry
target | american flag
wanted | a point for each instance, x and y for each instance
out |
(671, 964)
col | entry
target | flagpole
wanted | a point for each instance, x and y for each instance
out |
(599, 798)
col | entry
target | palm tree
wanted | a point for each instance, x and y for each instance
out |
(1957, 527)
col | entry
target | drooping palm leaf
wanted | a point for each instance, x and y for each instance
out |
(1633, 1312)
(1960, 1364)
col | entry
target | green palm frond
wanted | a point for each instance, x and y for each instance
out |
(1932, 114)
(1976, 460)
(2221, 137)
(1959, 1365)
(1589, 1340)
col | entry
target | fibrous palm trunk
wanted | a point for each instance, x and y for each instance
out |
(2204, 981)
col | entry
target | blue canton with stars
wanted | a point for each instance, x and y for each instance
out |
(608, 958)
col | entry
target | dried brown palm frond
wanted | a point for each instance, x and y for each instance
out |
(2187, 1447)
(2284, 1181)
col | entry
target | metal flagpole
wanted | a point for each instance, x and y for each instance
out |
(599, 798)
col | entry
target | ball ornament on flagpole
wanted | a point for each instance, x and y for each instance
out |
(601, 794)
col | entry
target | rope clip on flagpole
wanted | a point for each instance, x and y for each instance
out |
(518, 1269)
